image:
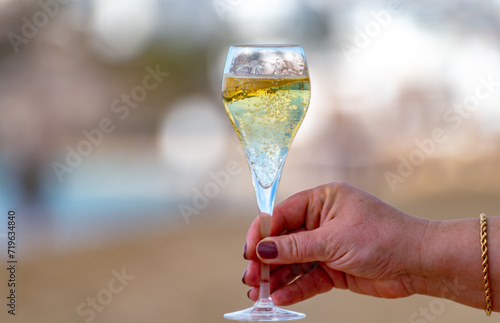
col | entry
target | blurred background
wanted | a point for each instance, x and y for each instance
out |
(131, 192)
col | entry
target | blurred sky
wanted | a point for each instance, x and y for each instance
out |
(111, 109)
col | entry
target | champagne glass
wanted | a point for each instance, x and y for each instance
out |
(266, 93)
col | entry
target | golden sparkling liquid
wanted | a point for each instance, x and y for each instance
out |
(266, 113)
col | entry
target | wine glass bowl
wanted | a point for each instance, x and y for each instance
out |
(266, 93)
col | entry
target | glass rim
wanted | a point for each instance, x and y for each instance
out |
(265, 53)
(267, 45)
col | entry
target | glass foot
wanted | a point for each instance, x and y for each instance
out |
(268, 312)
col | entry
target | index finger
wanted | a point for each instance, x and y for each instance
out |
(302, 209)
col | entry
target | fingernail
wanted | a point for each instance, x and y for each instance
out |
(248, 293)
(243, 277)
(245, 251)
(267, 249)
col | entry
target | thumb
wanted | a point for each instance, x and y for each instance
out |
(304, 246)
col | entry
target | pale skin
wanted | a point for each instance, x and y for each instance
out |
(337, 236)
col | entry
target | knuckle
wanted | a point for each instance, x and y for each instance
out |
(293, 248)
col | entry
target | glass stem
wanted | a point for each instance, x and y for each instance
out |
(265, 201)
(264, 291)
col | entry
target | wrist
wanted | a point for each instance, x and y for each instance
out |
(419, 266)
(424, 274)
(450, 262)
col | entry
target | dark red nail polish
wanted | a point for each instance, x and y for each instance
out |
(243, 277)
(245, 251)
(267, 249)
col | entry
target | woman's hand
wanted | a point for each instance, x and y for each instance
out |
(336, 236)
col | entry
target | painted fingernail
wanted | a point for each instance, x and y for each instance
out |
(245, 251)
(243, 277)
(267, 249)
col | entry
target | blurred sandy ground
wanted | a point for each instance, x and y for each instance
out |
(136, 205)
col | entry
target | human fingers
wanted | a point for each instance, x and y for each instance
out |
(314, 282)
(281, 275)
(298, 247)
(286, 274)
(299, 210)
(253, 237)
(279, 226)
(302, 209)
(251, 275)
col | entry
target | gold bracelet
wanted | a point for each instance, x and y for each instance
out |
(484, 255)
